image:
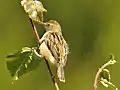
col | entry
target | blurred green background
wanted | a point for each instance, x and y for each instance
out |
(91, 28)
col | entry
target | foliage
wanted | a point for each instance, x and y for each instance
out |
(28, 59)
(22, 62)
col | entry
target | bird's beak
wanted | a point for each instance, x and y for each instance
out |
(45, 10)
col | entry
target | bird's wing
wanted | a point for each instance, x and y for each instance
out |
(57, 48)
(53, 45)
(57, 45)
(44, 50)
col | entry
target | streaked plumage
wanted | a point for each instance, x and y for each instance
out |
(54, 48)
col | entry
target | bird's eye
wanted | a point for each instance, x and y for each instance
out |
(48, 24)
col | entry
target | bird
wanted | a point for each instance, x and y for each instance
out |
(54, 48)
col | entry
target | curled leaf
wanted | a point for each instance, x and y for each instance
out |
(34, 9)
(112, 62)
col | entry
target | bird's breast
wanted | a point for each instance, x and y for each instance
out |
(45, 52)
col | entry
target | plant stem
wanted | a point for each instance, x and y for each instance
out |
(96, 81)
(52, 76)
(48, 66)
(35, 32)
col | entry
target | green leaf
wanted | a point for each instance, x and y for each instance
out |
(22, 62)
(26, 49)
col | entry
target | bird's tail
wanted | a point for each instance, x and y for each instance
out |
(60, 73)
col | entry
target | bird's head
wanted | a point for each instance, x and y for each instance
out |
(52, 25)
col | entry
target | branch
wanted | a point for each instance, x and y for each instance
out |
(97, 77)
(48, 66)
(35, 32)
(52, 76)
(96, 81)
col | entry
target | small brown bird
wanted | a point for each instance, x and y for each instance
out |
(54, 47)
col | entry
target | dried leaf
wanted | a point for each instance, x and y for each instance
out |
(34, 9)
